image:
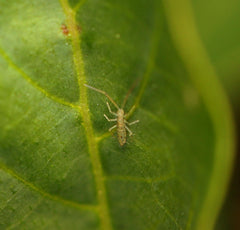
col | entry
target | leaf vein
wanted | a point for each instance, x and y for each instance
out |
(149, 180)
(10, 199)
(151, 63)
(25, 216)
(166, 211)
(45, 194)
(33, 83)
(79, 5)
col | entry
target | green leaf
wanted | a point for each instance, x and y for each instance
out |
(59, 166)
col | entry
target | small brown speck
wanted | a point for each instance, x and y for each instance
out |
(65, 30)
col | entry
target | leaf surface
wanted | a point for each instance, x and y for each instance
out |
(59, 166)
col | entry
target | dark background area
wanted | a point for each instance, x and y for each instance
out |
(229, 218)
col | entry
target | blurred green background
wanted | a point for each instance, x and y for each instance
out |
(218, 22)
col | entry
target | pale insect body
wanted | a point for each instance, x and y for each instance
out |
(121, 117)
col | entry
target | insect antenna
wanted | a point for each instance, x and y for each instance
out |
(104, 93)
(130, 91)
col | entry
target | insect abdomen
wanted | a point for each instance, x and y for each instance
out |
(121, 130)
(121, 135)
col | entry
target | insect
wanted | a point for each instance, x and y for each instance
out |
(121, 117)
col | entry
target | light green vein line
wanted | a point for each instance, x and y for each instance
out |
(79, 5)
(140, 179)
(103, 136)
(189, 45)
(31, 82)
(84, 111)
(69, 203)
(161, 120)
(26, 216)
(10, 199)
(169, 215)
(166, 211)
(191, 214)
(152, 56)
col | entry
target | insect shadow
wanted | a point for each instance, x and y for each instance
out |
(121, 116)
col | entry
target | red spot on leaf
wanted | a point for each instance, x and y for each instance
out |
(65, 30)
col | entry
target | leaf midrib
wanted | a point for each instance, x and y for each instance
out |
(83, 109)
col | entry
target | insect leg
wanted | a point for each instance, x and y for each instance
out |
(115, 126)
(109, 119)
(109, 109)
(130, 132)
(131, 123)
